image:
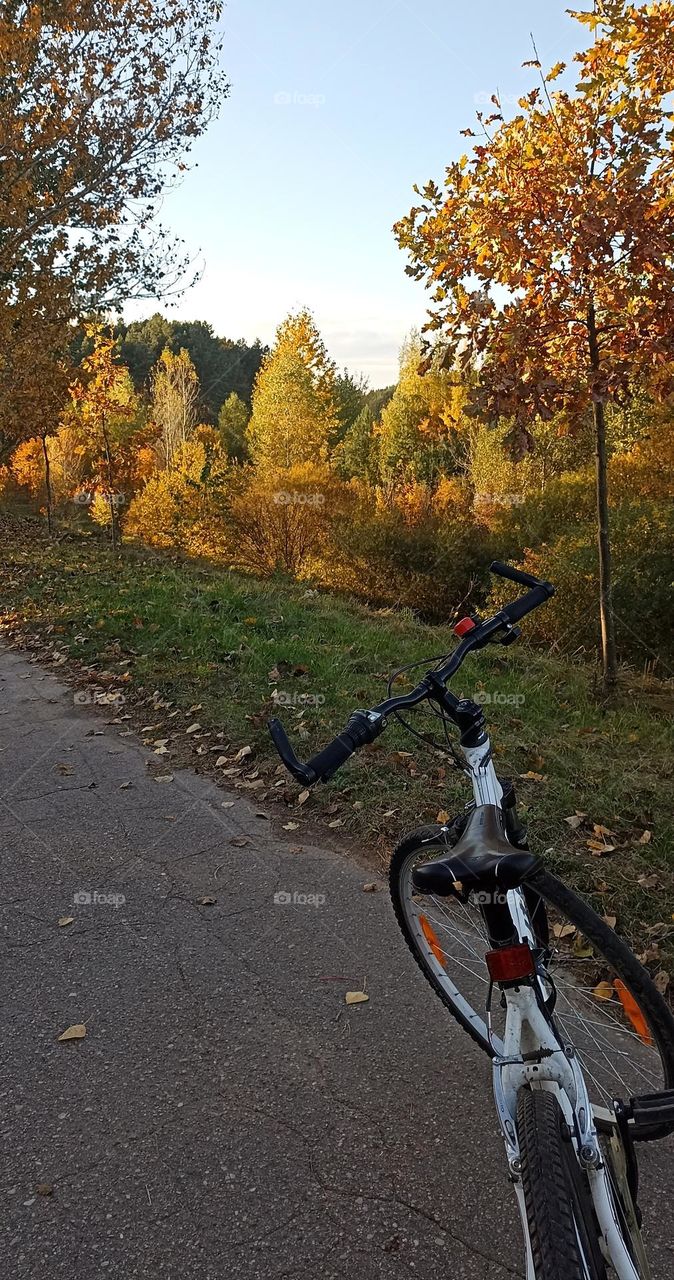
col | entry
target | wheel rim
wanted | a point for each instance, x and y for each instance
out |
(590, 1012)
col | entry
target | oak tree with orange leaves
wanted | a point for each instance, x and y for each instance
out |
(550, 248)
(106, 409)
(99, 106)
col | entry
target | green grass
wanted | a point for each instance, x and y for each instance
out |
(203, 636)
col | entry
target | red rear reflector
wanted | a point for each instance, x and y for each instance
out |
(510, 963)
(462, 627)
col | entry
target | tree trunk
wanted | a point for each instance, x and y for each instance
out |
(609, 659)
(47, 481)
(111, 503)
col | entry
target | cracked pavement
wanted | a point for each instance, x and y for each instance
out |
(226, 1114)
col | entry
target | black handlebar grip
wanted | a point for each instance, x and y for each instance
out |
(361, 728)
(526, 603)
(330, 759)
(514, 575)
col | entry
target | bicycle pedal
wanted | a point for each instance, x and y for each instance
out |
(649, 1111)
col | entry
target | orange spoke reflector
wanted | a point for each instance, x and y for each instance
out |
(633, 1011)
(432, 939)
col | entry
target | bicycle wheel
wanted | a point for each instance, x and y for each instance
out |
(601, 1000)
(561, 1223)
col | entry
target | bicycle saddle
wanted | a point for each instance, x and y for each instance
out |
(482, 858)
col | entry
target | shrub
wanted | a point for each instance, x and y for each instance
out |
(280, 522)
(429, 567)
(642, 534)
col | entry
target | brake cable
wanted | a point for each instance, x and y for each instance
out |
(437, 711)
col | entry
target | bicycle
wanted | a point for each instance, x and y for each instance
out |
(581, 1041)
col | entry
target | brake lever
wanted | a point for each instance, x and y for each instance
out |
(294, 766)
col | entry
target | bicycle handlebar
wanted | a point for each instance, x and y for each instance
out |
(365, 726)
(322, 766)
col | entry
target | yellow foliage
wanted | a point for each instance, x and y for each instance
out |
(281, 521)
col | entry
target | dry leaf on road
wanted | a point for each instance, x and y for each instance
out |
(356, 997)
(76, 1032)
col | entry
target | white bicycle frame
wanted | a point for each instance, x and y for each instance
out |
(528, 1032)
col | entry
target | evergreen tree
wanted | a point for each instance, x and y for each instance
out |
(232, 424)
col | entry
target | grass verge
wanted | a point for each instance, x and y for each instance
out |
(190, 645)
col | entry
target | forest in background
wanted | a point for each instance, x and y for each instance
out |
(531, 421)
(273, 461)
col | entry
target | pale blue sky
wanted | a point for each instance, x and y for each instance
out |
(335, 110)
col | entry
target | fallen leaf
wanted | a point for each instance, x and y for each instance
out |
(610, 921)
(564, 930)
(370, 887)
(574, 820)
(534, 777)
(582, 949)
(441, 817)
(163, 777)
(356, 997)
(64, 920)
(65, 770)
(601, 831)
(207, 901)
(661, 981)
(192, 728)
(337, 823)
(161, 751)
(124, 786)
(241, 755)
(220, 761)
(44, 1188)
(649, 882)
(160, 742)
(603, 991)
(290, 826)
(228, 804)
(239, 841)
(646, 837)
(599, 848)
(303, 797)
(76, 1032)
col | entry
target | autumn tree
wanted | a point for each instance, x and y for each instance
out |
(174, 402)
(106, 410)
(294, 411)
(99, 105)
(567, 208)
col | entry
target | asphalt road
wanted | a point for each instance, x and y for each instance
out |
(226, 1115)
